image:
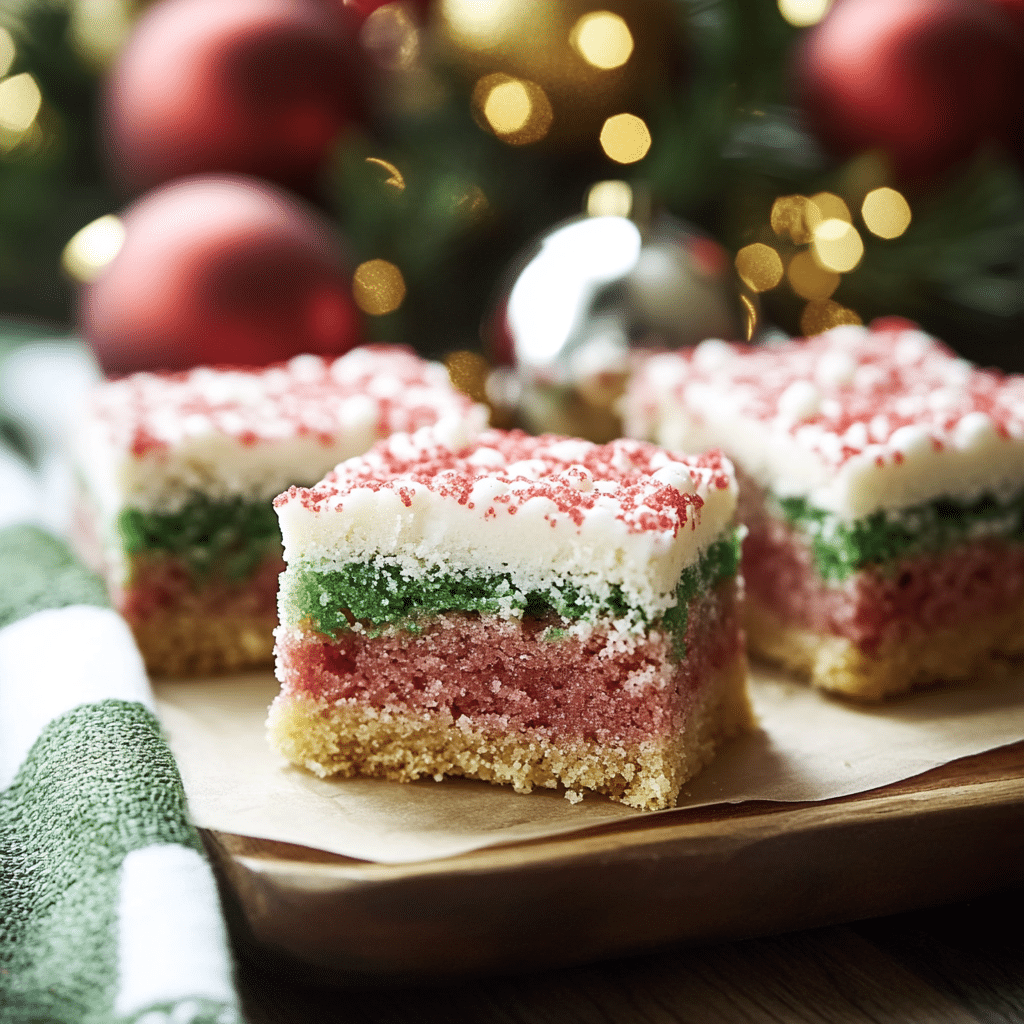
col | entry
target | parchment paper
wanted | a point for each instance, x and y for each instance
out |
(807, 747)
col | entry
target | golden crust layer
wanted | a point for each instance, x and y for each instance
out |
(348, 739)
(975, 650)
(183, 643)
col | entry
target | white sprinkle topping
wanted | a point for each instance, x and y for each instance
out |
(800, 401)
(974, 430)
(836, 369)
(712, 354)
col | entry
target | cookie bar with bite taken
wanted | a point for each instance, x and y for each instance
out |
(536, 611)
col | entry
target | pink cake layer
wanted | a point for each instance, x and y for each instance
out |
(975, 580)
(501, 676)
(160, 582)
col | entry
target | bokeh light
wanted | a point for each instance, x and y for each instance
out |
(837, 245)
(612, 198)
(886, 213)
(802, 13)
(378, 287)
(507, 107)
(468, 372)
(479, 24)
(20, 100)
(759, 266)
(98, 28)
(827, 206)
(791, 218)
(823, 316)
(625, 138)
(808, 279)
(516, 110)
(602, 39)
(394, 179)
(92, 248)
(8, 51)
(392, 37)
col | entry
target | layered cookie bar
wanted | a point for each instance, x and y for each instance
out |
(882, 485)
(536, 611)
(177, 474)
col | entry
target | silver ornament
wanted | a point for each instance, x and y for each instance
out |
(587, 296)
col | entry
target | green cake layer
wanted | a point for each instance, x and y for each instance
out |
(380, 594)
(841, 549)
(231, 536)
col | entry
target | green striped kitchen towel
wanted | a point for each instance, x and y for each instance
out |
(108, 908)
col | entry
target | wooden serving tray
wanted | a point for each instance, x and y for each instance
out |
(701, 875)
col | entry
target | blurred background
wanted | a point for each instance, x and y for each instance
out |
(537, 187)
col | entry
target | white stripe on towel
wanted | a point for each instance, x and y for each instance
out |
(58, 659)
(21, 493)
(171, 939)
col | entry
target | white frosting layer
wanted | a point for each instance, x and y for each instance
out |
(544, 510)
(151, 441)
(854, 420)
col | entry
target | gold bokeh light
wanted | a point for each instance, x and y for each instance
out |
(886, 213)
(610, 199)
(516, 110)
(602, 39)
(625, 138)
(378, 287)
(479, 24)
(837, 245)
(759, 266)
(507, 107)
(802, 13)
(20, 100)
(92, 248)
(99, 28)
(809, 280)
(823, 316)
(468, 371)
(794, 217)
(827, 206)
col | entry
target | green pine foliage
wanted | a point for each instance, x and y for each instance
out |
(727, 142)
(53, 181)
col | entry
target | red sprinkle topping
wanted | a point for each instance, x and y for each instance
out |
(306, 396)
(575, 475)
(873, 380)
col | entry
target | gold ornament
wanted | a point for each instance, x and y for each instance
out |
(557, 71)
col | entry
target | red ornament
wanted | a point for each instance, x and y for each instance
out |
(261, 87)
(219, 271)
(1014, 9)
(927, 81)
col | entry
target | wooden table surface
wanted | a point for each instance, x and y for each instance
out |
(961, 962)
(955, 961)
